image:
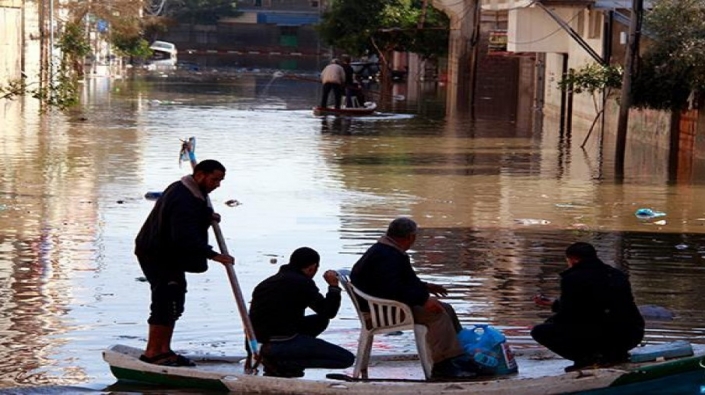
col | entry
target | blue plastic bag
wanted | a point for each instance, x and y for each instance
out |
(488, 347)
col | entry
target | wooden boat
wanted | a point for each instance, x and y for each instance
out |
(367, 109)
(540, 372)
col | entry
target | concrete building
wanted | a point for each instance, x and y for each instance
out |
(278, 27)
(567, 35)
(11, 44)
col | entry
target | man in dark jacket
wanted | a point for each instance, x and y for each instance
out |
(350, 87)
(288, 336)
(385, 271)
(596, 321)
(173, 241)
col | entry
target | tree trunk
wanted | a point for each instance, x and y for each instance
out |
(674, 145)
(385, 77)
(626, 98)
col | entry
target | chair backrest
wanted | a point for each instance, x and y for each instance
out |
(383, 314)
(344, 279)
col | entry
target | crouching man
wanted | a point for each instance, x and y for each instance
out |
(595, 321)
(288, 336)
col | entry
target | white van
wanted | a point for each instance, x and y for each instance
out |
(163, 56)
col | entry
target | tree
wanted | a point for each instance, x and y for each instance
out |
(362, 26)
(595, 79)
(359, 26)
(673, 65)
(124, 27)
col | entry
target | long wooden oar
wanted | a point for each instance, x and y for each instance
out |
(188, 148)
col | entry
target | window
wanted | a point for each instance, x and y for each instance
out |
(595, 24)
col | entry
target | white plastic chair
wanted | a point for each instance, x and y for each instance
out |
(385, 316)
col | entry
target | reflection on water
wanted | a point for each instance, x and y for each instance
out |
(497, 204)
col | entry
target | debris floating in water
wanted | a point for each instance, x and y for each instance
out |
(532, 221)
(232, 203)
(647, 213)
(152, 195)
(653, 312)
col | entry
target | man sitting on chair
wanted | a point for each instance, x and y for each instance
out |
(385, 271)
(289, 337)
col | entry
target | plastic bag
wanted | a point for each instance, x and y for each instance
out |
(488, 347)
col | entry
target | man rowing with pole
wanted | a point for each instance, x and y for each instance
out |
(172, 242)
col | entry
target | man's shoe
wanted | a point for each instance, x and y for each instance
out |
(168, 359)
(272, 369)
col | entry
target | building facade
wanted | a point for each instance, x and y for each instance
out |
(278, 27)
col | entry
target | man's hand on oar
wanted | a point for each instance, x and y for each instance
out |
(225, 259)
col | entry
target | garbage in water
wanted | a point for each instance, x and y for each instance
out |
(152, 195)
(568, 205)
(653, 312)
(681, 246)
(232, 203)
(532, 221)
(647, 213)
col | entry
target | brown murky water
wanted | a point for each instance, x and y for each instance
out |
(497, 204)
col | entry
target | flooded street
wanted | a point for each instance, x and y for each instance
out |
(497, 204)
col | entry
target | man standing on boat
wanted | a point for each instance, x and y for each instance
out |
(596, 321)
(172, 242)
(385, 271)
(288, 336)
(333, 78)
(350, 87)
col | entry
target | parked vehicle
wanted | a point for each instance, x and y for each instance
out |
(163, 56)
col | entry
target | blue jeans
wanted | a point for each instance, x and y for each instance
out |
(306, 351)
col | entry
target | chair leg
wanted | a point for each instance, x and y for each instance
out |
(420, 332)
(363, 355)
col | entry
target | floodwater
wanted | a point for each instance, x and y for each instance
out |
(497, 203)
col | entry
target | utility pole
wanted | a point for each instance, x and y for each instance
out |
(625, 101)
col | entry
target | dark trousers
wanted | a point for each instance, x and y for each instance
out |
(349, 93)
(306, 351)
(591, 344)
(354, 91)
(337, 94)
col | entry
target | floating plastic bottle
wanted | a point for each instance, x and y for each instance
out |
(647, 213)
